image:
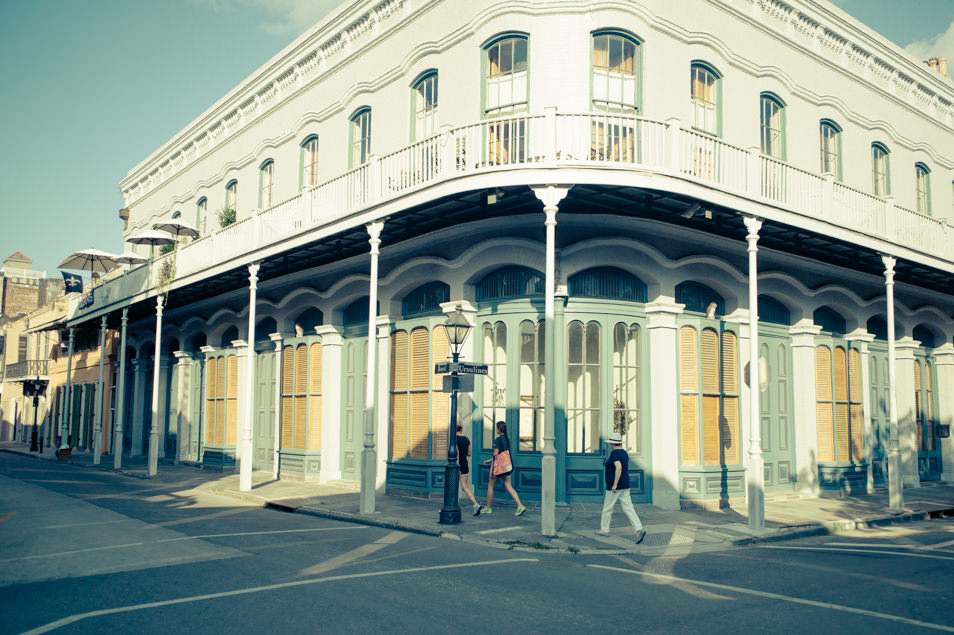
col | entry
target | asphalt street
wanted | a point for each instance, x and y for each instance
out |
(86, 551)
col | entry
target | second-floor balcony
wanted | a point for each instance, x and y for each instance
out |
(561, 148)
(28, 369)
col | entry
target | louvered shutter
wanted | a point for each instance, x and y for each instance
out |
(210, 380)
(220, 416)
(231, 401)
(731, 446)
(689, 398)
(824, 411)
(856, 411)
(399, 377)
(288, 386)
(419, 398)
(440, 401)
(711, 406)
(299, 437)
(314, 396)
(929, 406)
(841, 404)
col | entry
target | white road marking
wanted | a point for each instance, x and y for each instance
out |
(497, 531)
(75, 551)
(880, 545)
(356, 553)
(104, 522)
(261, 533)
(939, 545)
(903, 554)
(46, 628)
(784, 598)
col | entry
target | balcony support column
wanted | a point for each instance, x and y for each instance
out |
(245, 462)
(550, 196)
(756, 476)
(895, 496)
(64, 447)
(369, 454)
(120, 397)
(154, 419)
(98, 430)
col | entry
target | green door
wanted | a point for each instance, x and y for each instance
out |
(925, 409)
(263, 436)
(355, 362)
(775, 414)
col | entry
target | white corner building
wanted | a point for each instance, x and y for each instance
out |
(608, 190)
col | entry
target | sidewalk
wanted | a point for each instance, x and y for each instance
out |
(668, 532)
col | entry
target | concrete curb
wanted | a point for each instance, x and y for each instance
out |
(354, 518)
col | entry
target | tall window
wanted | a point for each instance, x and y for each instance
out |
(506, 75)
(221, 399)
(494, 403)
(704, 98)
(626, 385)
(923, 188)
(201, 213)
(880, 184)
(231, 195)
(583, 388)
(709, 397)
(416, 397)
(838, 404)
(771, 123)
(266, 178)
(360, 137)
(532, 386)
(924, 404)
(614, 73)
(830, 145)
(309, 162)
(425, 107)
(301, 396)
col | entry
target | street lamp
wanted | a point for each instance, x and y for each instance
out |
(457, 328)
(34, 388)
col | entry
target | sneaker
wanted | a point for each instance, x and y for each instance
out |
(520, 510)
(603, 533)
(640, 535)
(486, 510)
(477, 509)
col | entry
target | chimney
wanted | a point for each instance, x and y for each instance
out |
(942, 66)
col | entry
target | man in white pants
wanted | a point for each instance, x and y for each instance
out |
(617, 488)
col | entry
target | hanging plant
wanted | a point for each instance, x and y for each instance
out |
(226, 217)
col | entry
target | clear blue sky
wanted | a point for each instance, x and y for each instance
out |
(89, 88)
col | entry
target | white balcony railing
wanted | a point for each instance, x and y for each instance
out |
(556, 140)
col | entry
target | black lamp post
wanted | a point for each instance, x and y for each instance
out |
(457, 329)
(35, 388)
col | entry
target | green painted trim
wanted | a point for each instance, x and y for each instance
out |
(261, 179)
(637, 62)
(697, 63)
(421, 77)
(887, 165)
(918, 168)
(782, 115)
(352, 124)
(484, 48)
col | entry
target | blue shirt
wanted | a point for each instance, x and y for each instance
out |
(620, 455)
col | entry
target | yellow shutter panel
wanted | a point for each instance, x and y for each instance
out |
(857, 432)
(231, 405)
(420, 358)
(822, 373)
(210, 375)
(440, 419)
(855, 411)
(220, 420)
(288, 370)
(314, 422)
(301, 421)
(709, 351)
(730, 363)
(441, 353)
(301, 371)
(288, 421)
(841, 432)
(929, 405)
(823, 416)
(841, 375)
(688, 359)
(314, 369)
(399, 344)
(731, 445)
(418, 424)
(711, 454)
(689, 413)
(918, 406)
(399, 425)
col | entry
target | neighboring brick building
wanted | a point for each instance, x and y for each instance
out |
(22, 289)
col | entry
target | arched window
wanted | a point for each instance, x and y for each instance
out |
(705, 97)
(505, 88)
(615, 67)
(309, 161)
(360, 147)
(830, 320)
(922, 177)
(356, 312)
(773, 311)
(266, 178)
(877, 327)
(424, 106)
(265, 327)
(830, 146)
(924, 404)
(177, 214)
(924, 335)
(231, 195)
(510, 282)
(532, 386)
(425, 300)
(880, 174)
(201, 213)
(493, 405)
(773, 125)
(609, 283)
(583, 392)
(700, 298)
(311, 317)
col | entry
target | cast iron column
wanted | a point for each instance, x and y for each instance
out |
(154, 422)
(121, 395)
(98, 430)
(245, 462)
(369, 456)
(64, 449)
(450, 512)
(756, 476)
(895, 497)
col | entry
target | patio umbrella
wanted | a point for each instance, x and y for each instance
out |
(178, 227)
(92, 260)
(130, 258)
(151, 237)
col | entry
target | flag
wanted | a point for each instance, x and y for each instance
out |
(72, 282)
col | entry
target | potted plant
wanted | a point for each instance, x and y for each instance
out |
(226, 217)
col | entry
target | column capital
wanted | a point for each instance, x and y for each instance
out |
(753, 224)
(383, 324)
(183, 357)
(739, 316)
(140, 364)
(468, 310)
(905, 347)
(240, 345)
(253, 271)
(803, 333)
(374, 231)
(862, 336)
(330, 335)
(944, 355)
(550, 195)
(208, 350)
(662, 312)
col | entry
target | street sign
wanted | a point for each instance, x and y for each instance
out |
(458, 383)
(442, 368)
